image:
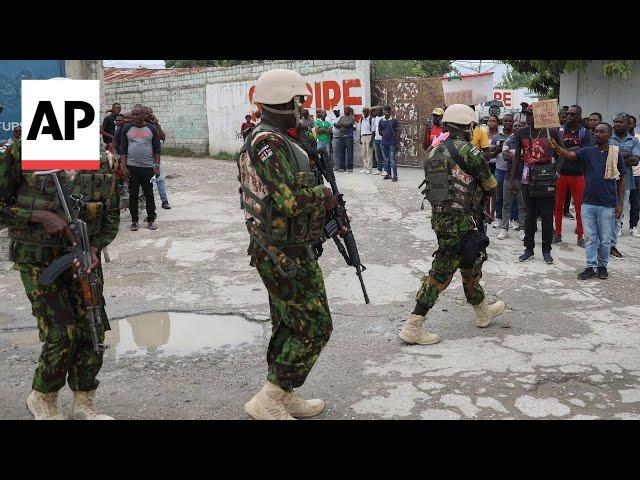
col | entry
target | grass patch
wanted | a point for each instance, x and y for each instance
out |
(225, 156)
(178, 152)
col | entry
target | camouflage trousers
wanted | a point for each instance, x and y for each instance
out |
(445, 264)
(63, 325)
(300, 318)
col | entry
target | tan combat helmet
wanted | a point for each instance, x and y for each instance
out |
(459, 114)
(279, 86)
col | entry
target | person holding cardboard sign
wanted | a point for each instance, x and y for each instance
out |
(538, 177)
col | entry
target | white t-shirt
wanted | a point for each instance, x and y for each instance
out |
(365, 126)
(376, 123)
(636, 169)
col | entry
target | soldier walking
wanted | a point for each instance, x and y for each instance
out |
(31, 208)
(458, 185)
(285, 204)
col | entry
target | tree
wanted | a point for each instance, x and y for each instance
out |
(545, 74)
(512, 80)
(206, 63)
(411, 68)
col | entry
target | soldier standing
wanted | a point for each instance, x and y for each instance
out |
(458, 182)
(31, 208)
(285, 204)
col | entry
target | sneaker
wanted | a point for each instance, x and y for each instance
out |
(568, 215)
(513, 225)
(581, 242)
(394, 179)
(363, 171)
(556, 238)
(504, 233)
(497, 223)
(342, 170)
(521, 235)
(134, 227)
(634, 232)
(166, 205)
(548, 259)
(602, 273)
(152, 226)
(377, 172)
(526, 255)
(387, 177)
(615, 253)
(350, 170)
(368, 172)
(587, 274)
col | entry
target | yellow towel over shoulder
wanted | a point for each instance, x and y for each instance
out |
(611, 170)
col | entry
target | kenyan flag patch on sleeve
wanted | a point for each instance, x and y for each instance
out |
(265, 153)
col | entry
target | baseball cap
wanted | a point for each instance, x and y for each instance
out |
(437, 111)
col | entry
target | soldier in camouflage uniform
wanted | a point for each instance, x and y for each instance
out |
(285, 203)
(458, 199)
(30, 207)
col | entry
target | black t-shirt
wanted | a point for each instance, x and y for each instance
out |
(534, 148)
(572, 137)
(109, 125)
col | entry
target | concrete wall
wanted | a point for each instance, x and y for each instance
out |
(180, 100)
(596, 93)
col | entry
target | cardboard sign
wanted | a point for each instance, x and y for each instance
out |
(545, 114)
(60, 124)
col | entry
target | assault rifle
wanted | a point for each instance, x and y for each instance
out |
(82, 251)
(338, 219)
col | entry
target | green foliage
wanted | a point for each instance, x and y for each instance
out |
(512, 80)
(545, 74)
(206, 63)
(383, 69)
(225, 156)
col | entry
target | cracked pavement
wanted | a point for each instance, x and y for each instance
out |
(190, 319)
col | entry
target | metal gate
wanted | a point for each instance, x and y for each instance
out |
(411, 100)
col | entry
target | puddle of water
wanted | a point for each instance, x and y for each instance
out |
(172, 333)
(131, 280)
(165, 334)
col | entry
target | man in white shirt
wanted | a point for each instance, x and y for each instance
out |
(376, 139)
(335, 139)
(634, 196)
(365, 140)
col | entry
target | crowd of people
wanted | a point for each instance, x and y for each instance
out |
(538, 180)
(135, 139)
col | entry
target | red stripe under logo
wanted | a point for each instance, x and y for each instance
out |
(61, 165)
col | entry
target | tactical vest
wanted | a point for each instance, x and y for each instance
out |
(448, 188)
(38, 192)
(264, 220)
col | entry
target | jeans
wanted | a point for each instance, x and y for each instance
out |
(575, 185)
(535, 207)
(598, 222)
(325, 146)
(345, 145)
(336, 152)
(634, 197)
(141, 177)
(377, 144)
(389, 152)
(162, 189)
(617, 222)
(500, 177)
(510, 198)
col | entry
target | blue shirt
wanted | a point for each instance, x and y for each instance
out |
(388, 130)
(631, 144)
(597, 190)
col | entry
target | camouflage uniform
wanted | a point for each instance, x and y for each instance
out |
(63, 322)
(301, 322)
(451, 229)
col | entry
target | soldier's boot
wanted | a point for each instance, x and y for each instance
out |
(412, 332)
(268, 404)
(485, 312)
(83, 409)
(300, 408)
(44, 406)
